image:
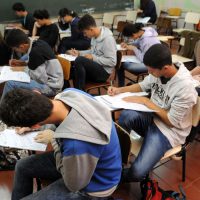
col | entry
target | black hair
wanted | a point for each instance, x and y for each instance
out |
(16, 37)
(41, 14)
(18, 7)
(24, 108)
(157, 56)
(86, 22)
(131, 29)
(64, 11)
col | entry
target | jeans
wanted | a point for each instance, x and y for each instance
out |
(43, 166)
(35, 166)
(88, 70)
(154, 145)
(33, 85)
(133, 68)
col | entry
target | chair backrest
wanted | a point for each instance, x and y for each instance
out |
(120, 26)
(131, 16)
(192, 18)
(164, 26)
(125, 143)
(66, 65)
(113, 75)
(174, 11)
(108, 18)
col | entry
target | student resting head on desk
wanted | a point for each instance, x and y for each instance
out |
(97, 63)
(44, 69)
(87, 163)
(173, 95)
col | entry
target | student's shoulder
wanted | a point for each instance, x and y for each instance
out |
(41, 47)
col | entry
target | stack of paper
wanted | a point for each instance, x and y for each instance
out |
(9, 138)
(67, 57)
(7, 74)
(117, 102)
(142, 20)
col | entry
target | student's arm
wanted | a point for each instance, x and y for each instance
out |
(132, 88)
(35, 29)
(74, 164)
(195, 71)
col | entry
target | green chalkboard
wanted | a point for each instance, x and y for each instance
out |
(53, 6)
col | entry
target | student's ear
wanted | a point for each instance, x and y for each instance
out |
(36, 126)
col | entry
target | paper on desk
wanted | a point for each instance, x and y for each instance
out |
(119, 48)
(9, 138)
(7, 74)
(116, 102)
(132, 59)
(142, 20)
(68, 57)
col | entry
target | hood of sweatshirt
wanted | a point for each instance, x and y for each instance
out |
(105, 32)
(88, 120)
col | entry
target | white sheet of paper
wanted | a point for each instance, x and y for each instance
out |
(9, 138)
(142, 20)
(119, 48)
(116, 102)
(7, 74)
(131, 58)
(68, 57)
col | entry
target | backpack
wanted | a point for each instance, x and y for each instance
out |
(151, 191)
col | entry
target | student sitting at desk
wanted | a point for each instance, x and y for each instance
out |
(148, 9)
(44, 28)
(44, 69)
(97, 63)
(27, 21)
(172, 97)
(86, 164)
(144, 38)
(77, 40)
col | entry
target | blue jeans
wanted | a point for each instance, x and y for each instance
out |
(43, 166)
(33, 85)
(134, 68)
(154, 145)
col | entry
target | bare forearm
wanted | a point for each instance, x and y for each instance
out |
(131, 88)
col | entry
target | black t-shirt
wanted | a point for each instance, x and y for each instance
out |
(40, 53)
(5, 54)
(49, 34)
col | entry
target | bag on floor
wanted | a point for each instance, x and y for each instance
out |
(151, 191)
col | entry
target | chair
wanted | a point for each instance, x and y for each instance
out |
(108, 19)
(91, 85)
(120, 28)
(176, 153)
(190, 18)
(66, 66)
(174, 11)
(131, 16)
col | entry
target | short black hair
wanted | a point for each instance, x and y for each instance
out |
(86, 22)
(41, 14)
(24, 108)
(64, 11)
(131, 29)
(18, 7)
(16, 37)
(157, 56)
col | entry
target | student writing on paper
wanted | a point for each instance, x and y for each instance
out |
(44, 69)
(196, 75)
(144, 37)
(27, 19)
(172, 96)
(148, 9)
(97, 63)
(87, 162)
(44, 28)
(77, 40)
